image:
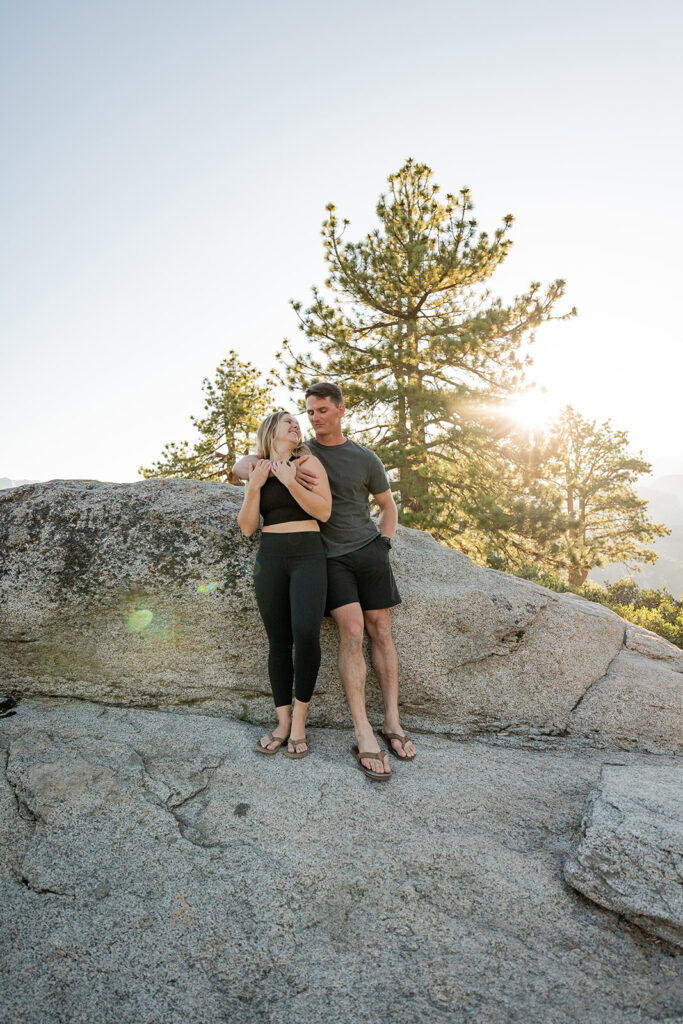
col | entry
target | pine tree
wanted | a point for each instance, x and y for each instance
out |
(595, 474)
(420, 348)
(522, 514)
(235, 403)
(586, 474)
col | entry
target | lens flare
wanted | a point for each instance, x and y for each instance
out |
(207, 588)
(139, 620)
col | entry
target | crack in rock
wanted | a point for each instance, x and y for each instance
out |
(26, 882)
(596, 681)
(186, 830)
(23, 809)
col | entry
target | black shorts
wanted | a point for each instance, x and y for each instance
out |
(362, 576)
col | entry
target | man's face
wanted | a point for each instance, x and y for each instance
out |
(323, 415)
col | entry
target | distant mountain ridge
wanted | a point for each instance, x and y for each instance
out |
(665, 505)
(6, 483)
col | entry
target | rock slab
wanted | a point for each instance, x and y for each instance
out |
(629, 857)
(142, 594)
(154, 869)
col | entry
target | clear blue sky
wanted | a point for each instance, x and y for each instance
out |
(166, 168)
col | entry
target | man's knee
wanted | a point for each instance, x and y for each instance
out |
(378, 625)
(350, 625)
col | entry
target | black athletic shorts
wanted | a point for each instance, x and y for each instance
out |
(365, 576)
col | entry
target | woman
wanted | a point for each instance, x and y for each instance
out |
(290, 574)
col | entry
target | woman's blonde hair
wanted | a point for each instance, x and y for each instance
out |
(266, 433)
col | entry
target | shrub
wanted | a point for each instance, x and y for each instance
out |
(656, 610)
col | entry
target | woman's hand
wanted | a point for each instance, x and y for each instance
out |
(259, 474)
(284, 471)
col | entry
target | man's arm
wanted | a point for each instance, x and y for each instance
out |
(388, 516)
(305, 476)
(244, 466)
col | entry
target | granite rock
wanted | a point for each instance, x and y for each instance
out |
(629, 856)
(154, 868)
(141, 594)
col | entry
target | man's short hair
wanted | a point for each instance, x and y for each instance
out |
(326, 390)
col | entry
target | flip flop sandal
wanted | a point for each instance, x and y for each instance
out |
(389, 736)
(377, 756)
(293, 753)
(271, 739)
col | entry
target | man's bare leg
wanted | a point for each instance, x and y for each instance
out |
(352, 669)
(385, 664)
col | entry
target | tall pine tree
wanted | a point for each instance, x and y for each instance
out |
(409, 331)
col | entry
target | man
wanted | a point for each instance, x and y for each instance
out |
(360, 583)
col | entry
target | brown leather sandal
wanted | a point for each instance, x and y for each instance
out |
(271, 739)
(376, 756)
(293, 753)
(389, 736)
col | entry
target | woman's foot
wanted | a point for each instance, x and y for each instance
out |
(280, 733)
(272, 741)
(297, 748)
(298, 728)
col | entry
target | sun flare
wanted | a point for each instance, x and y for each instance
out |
(533, 409)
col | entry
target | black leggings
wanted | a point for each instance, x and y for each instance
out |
(290, 579)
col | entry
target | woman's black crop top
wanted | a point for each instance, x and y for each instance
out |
(278, 505)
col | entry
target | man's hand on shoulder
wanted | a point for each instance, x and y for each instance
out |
(305, 476)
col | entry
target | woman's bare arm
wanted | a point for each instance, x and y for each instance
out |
(304, 472)
(316, 500)
(249, 515)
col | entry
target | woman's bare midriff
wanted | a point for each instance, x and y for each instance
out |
(298, 526)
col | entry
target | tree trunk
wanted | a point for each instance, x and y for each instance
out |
(577, 577)
(419, 487)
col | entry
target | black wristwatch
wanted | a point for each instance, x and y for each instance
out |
(387, 541)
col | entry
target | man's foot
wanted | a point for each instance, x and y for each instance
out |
(406, 751)
(367, 742)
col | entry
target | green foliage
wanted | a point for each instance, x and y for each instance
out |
(624, 591)
(554, 581)
(235, 403)
(656, 610)
(586, 473)
(243, 715)
(425, 355)
(663, 620)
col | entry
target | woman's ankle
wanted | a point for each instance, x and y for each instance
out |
(284, 718)
(299, 717)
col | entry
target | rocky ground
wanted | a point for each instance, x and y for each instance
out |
(155, 869)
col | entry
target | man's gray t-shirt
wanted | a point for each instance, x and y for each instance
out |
(354, 473)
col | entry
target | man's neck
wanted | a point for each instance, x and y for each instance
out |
(330, 440)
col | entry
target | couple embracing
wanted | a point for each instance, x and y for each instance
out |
(321, 554)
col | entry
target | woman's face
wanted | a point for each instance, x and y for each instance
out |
(287, 431)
